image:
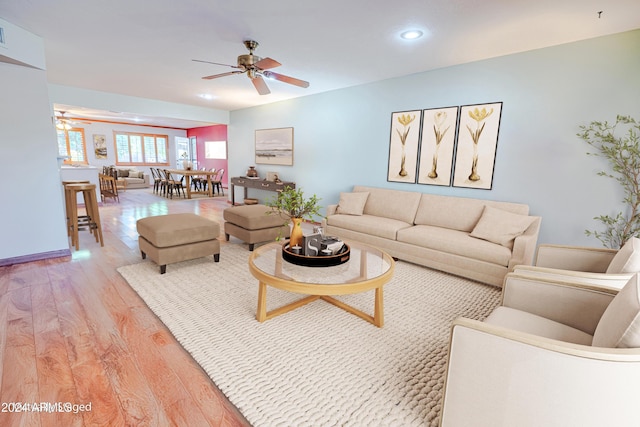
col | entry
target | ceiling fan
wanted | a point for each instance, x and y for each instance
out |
(63, 122)
(256, 68)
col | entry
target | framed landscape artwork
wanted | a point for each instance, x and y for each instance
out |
(403, 146)
(436, 145)
(477, 144)
(274, 146)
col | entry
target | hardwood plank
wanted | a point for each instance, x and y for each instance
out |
(55, 381)
(20, 380)
(90, 379)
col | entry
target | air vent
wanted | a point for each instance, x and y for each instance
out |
(3, 42)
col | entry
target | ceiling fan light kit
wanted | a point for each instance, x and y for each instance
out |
(256, 67)
(62, 123)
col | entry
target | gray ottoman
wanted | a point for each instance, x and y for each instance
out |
(177, 237)
(253, 224)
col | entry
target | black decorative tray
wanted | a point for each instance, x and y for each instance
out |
(316, 261)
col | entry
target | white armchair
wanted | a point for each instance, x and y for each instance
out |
(591, 266)
(553, 354)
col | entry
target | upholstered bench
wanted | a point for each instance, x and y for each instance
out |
(252, 224)
(177, 237)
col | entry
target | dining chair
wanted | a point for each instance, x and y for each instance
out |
(216, 182)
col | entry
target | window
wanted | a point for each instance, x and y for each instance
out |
(141, 149)
(215, 149)
(71, 145)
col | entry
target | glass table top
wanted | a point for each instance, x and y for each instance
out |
(365, 263)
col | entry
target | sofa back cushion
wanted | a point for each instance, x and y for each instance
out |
(459, 213)
(627, 260)
(619, 326)
(393, 204)
(501, 227)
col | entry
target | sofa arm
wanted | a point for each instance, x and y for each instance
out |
(524, 246)
(615, 281)
(500, 377)
(574, 304)
(331, 210)
(577, 258)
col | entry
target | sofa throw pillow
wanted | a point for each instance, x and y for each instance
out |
(352, 203)
(619, 326)
(501, 227)
(627, 260)
(123, 173)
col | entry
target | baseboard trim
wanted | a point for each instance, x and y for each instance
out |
(35, 257)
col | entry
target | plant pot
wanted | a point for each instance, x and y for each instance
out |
(296, 237)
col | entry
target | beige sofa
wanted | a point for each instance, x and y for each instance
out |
(132, 178)
(478, 239)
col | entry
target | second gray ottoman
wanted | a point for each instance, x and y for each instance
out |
(253, 224)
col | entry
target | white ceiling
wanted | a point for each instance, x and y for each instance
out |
(144, 48)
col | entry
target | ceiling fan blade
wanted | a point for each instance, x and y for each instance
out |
(215, 63)
(215, 76)
(266, 63)
(260, 85)
(286, 79)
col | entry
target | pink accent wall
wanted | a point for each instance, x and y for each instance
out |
(210, 133)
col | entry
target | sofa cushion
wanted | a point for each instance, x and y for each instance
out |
(254, 217)
(455, 242)
(530, 323)
(627, 260)
(352, 203)
(459, 213)
(619, 325)
(368, 224)
(177, 229)
(123, 173)
(501, 227)
(393, 204)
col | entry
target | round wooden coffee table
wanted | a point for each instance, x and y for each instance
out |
(368, 268)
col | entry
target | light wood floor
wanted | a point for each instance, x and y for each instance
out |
(72, 330)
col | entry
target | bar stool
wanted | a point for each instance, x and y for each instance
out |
(67, 202)
(91, 205)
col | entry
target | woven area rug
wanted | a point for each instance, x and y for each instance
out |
(317, 365)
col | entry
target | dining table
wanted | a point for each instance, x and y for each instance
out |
(189, 173)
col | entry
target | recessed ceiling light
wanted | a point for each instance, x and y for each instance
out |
(205, 96)
(411, 34)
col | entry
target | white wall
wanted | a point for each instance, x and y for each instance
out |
(341, 138)
(31, 211)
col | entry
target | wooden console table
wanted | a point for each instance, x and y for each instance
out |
(260, 184)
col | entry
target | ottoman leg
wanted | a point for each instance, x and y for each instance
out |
(163, 269)
(216, 257)
(250, 247)
(144, 256)
(226, 235)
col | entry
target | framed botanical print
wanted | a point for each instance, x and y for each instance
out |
(477, 145)
(437, 145)
(403, 146)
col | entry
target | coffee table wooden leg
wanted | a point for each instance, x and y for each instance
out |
(378, 310)
(261, 314)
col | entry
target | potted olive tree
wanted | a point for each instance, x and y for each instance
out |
(292, 204)
(622, 151)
